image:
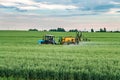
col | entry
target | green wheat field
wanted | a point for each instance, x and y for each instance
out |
(22, 58)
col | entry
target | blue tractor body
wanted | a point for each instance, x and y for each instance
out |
(40, 41)
(47, 39)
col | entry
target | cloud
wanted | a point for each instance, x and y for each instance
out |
(114, 2)
(100, 7)
(103, 7)
(28, 8)
(113, 11)
(61, 7)
(32, 5)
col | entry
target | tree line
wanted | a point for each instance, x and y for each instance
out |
(73, 30)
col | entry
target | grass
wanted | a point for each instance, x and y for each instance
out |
(21, 58)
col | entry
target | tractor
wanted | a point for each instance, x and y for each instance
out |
(50, 39)
(47, 39)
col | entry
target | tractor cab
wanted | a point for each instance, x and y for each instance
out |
(48, 39)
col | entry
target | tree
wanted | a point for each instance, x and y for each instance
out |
(60, 29)
(32, 30)
(101, 30)
(54, 30)
(73, 30)
(92, 30)
(105, 30)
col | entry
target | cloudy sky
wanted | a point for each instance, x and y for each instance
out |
(68, 14)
